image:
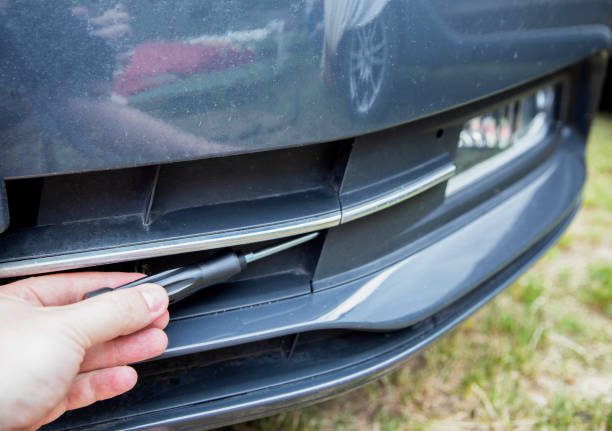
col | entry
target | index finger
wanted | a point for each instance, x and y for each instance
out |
(67, 288)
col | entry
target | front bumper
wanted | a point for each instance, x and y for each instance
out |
(226, 367)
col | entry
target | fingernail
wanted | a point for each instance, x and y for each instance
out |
(155, 296)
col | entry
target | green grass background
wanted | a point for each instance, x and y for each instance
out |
(538, 357)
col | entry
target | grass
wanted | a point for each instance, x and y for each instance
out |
(598, 291)
(538, 357)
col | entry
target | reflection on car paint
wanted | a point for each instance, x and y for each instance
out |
(101, 84)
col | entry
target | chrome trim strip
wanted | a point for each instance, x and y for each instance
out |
(64, 262)
(399, 194)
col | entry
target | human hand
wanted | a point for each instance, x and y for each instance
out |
(60, 353)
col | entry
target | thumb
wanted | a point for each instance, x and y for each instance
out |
(113, 314)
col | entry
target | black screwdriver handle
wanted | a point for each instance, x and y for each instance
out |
(193, 278)
(182, 282)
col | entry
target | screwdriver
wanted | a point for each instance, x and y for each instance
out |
(184, 281)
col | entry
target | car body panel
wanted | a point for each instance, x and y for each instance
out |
(345, 118)
(245, 78)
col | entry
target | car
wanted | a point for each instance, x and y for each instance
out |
(436, 147)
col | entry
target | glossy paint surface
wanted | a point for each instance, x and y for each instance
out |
(100, 84)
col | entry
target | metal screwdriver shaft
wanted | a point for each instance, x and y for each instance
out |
(257, 255)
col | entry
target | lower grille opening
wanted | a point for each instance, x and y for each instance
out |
(206, 204)
(24, 200)
(166, 189)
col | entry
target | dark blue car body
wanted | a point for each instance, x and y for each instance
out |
(437, 145)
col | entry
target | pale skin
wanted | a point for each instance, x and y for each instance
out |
(60, 352)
